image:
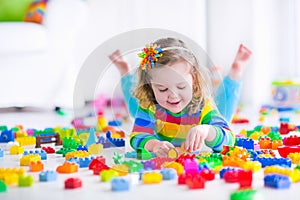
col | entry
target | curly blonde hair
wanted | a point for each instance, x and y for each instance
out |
(176, 50)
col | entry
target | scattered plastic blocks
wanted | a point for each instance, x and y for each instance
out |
(47, 176)
(3, 187)
(25, 160)
(7, 136)
(73, 183)
(107, 175)
(277, 181)
(42, 153)
(78, 154)
(36, 166)
(25, 181)
(67, 168)
(275, 161)
(168, 173)
(119, 184)
(151, 177)
(64, 151)
(246, 143)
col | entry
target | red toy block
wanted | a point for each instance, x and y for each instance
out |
(183, 177)
(207, 174)
(291, 140)
(284, 151)
(231, 176)
(73, 183)
(48, 149)
(284, 128)
(245, 179)
(95, 162)
(196, 182)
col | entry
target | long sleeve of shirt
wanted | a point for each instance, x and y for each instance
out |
(224, 136)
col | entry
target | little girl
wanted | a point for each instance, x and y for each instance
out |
(227, 94)
(175, 102)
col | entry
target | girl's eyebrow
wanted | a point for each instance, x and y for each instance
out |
(159, 85)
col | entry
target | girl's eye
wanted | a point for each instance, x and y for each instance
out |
(163, 90)
(181, 87)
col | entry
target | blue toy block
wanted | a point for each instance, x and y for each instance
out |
(118, 142)
(168, 173)
(246, 143)
(82, 148)
(119, 184)
(7, 136)
(115, 123)
(277, 181)
(253, 154)
(148, 165)
(42, 153)
(131, 154)
(47, 176)
(82, 162)
(202, 166)
(1, 153)
(285, 162)
(103, 141)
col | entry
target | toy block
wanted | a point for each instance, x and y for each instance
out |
(151, 177)
(69, 142)
(48, 150)
(195, 182)
(284, 128)
(291, 140)
(82, 162)
(3, 187)
(95, 149)
(67, 167)
(47, 176)
(182, 178)
(10, 179)
(246, 194)
(47, 138)
(143, 154)
(25, 160)
(231, 176)
(159, 161)
(1, 153)
(115, 123)
(95, 161)
(190, 166)
(122, 169)
(107, 175)
(42, 153)
(105, 142)
(226, 169)
(82, 148)
(7, 136)
(118, 134)
(245, 179)
(148, 165)
(277, 181)
(98, 168)
(64, 151)
(25, 181)
(174, 165)
(207, 174)
(119, 184)
(26, 141)
(246, 143)
(15, 150)
(78, 154)
(118, 142)
(168, 173)
(275, 161)
(73, 183)
(295, 158)
(284, 151)
(184, 157)
(36, 166)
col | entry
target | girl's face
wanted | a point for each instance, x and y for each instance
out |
(172, 85)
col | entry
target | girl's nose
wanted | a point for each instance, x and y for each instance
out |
(173, 94)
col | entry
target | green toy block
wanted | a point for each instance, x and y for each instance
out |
(107, 175)
(3, 187)
(246, 194)
(64, 151)
(25, 181)
(133, 166)
(143, 154)
(118, 158)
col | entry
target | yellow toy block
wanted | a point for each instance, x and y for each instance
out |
(15, 150)
(95, 149)
(107, 175)
(254, 166)
(78, 154)
(121, 169)
(295, 157)
(151, 177)
(11, 179)
(26, 141)
(294, 174)
(175, 165)
(25, 160)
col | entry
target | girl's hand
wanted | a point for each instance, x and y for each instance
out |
(161, 149)
(196, 136)
(121, 64)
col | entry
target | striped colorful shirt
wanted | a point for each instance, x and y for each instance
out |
(155, 122)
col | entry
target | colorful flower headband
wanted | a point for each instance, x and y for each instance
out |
(149, 56)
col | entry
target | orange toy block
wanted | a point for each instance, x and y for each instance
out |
(67, 168)
(36, 166)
